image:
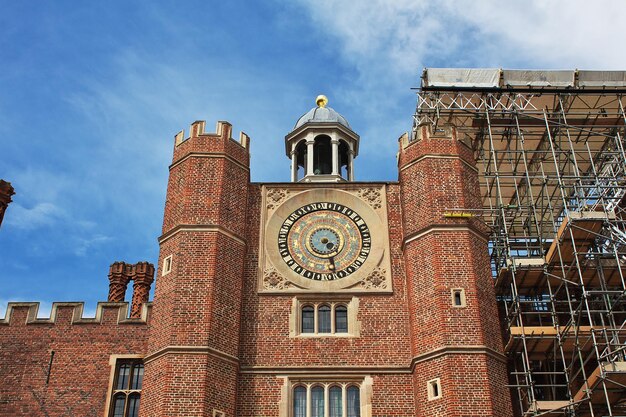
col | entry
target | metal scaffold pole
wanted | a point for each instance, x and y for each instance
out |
(552, 169)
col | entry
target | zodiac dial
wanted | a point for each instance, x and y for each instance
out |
(324, 241)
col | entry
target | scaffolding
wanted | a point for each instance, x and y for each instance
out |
(549, 147)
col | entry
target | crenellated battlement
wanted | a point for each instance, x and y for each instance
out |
(223, 130)
(72, 313)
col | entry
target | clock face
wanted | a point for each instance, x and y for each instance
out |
(324, 241)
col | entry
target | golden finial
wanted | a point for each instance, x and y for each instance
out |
(321, 100)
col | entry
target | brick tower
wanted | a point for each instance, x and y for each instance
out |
(192, 358)
(458, 365)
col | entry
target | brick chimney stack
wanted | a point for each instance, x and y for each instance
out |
(6, 191)
(142, 280)
(142, 275)
(118, 281)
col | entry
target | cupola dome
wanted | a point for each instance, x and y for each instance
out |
(322, 146)
(321, 114)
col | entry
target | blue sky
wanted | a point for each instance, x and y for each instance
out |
(92, 93)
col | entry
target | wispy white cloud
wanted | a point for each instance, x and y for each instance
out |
(389, 42)
(403, 35)
(84, 244)
(41, 214)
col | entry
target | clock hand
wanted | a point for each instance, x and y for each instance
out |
(332, 263)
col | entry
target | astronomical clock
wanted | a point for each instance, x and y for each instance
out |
(324, 238)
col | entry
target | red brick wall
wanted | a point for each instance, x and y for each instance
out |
(440, 253)
(195, 334)
(79, 376)
(384, 338)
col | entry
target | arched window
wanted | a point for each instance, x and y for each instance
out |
(301, 159)
(308, 319)
(341, 319)
(322, 156)
(344, 159)
(317, 401)
(122, 376)
(133, 405)
(137, 380)
(299, 402)
(335, 403)
(323, 319)
(354, 401)
(119, 404)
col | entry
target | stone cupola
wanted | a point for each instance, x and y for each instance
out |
(322, 146)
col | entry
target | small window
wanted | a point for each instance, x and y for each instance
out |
(354, 401)
(308, 319)
(167, 265)
(458, 297)
(127, 385)
(299, 402)
(323, 318)
(434, 389)
(317, 401)
(335, 403)
(341, 319)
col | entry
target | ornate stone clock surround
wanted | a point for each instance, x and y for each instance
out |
(279, 201)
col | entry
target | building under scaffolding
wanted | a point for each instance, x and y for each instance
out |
(549, 146)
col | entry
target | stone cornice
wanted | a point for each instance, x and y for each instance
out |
(192, 350)
(209, 155)
(458, 350)
(200, 228)
(382, 369)
(443, 228)
(438, 156)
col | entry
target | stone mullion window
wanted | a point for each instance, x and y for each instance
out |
(126, 388)
(324, 318)
(326, 399)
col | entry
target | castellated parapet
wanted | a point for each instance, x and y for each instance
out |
(73, 313)
(215, 144)
(61, 364)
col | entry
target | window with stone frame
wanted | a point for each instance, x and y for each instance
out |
(328, 399)
(324, 318)
(126, 388)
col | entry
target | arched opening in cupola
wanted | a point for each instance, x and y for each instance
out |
(322, 156)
